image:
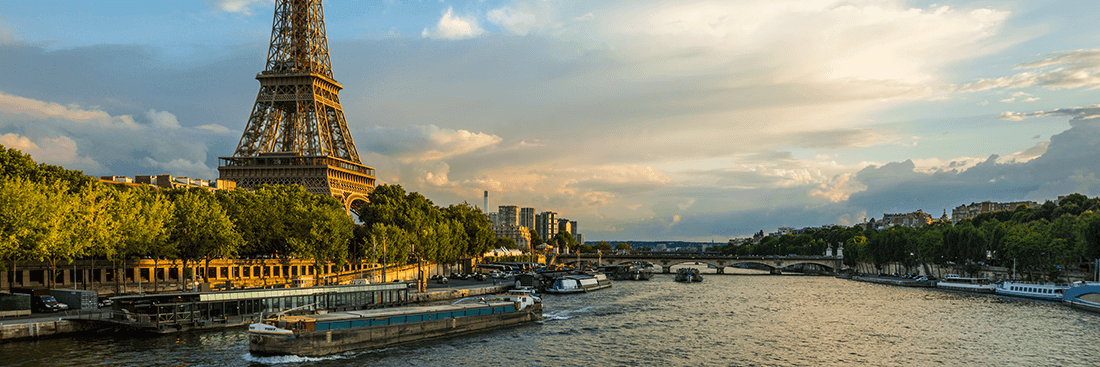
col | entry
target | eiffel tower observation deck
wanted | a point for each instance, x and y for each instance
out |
(297, 133)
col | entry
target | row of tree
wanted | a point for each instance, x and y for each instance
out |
(54, 215)
(1039, 242)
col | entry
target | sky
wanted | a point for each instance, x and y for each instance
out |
(699, 120)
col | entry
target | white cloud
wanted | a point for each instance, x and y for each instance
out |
(96, 142)
(1078, 113)
(61, 151)
(451, 26)
(1066, 70)
(162, 119)
(42, 110)
(182, 167)
(1020, 97)
(425, 142)
(17, 142)
(236, 6)
(523, 17)
(214, 127)
(838, 189)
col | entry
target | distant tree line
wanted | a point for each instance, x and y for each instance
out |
(1041, 242)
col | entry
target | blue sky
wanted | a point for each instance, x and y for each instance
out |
(644, 119)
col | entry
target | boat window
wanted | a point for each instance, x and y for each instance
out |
(511, 308)
(378, 322)
(359, 323)
(486, 311)
(321, 326)
(498, 310)
(397, 320)
(340, 325)
(414, 318)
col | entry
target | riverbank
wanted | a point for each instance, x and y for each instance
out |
(66, 324)
(895, 281)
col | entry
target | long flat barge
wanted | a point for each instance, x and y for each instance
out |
(328, 333)
(173, 312)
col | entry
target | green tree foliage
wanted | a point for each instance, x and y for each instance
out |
(201, 229)
(505, 242)
(535, 239)
(432, 233)
(323, 234)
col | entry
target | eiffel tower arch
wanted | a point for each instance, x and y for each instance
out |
(297, 133)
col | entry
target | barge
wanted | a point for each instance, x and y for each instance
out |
(328, 333)
(579, 283)
(174, 312)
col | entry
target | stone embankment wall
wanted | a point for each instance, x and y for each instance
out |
(940, 271)
(44, 328)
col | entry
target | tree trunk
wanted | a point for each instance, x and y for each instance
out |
(154, 274)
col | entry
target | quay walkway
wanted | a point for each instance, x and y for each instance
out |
(66, 323)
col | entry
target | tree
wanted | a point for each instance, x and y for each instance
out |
(144, 224)
(477, 232)
(32, 221)
(98, 221)
(324, 236)
(603, 246)
(535, 239)
(201, 230)
(505, 242)
(623, 246)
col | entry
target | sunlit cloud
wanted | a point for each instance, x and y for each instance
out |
(454, 27)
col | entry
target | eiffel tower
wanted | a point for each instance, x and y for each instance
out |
(296, 133)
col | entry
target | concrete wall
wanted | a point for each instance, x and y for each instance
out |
(31, 330)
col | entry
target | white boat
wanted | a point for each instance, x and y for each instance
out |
(956, 283)
(579, 283)
(1048, 291)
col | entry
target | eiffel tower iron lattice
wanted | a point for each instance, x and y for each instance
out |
(297, 133)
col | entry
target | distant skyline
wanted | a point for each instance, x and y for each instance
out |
(693, 120)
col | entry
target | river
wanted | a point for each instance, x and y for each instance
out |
(727, 320)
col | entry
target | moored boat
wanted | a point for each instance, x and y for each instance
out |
(629, 271)
(1085, 297)
(956, 283)
(1048, 291)
(323, 334)
(689, 275)
(579, 283)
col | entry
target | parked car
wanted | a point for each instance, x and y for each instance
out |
(47, 304)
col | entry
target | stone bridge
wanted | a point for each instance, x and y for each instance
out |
(667, 260)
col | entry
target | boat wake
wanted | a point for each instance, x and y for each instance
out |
(287, 359)
(564, 315)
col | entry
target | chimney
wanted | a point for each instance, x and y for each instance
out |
(486, 207)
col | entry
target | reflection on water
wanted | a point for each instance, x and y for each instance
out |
(726, 320)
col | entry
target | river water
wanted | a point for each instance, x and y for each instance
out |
(727, 320)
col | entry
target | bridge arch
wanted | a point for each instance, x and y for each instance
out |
(718, 261)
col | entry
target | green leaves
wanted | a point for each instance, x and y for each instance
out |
(411, 222)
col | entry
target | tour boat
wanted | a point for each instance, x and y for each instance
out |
(688, 275)
(579, 283)
(337, 332)
(1048, 291)
(956, 283)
